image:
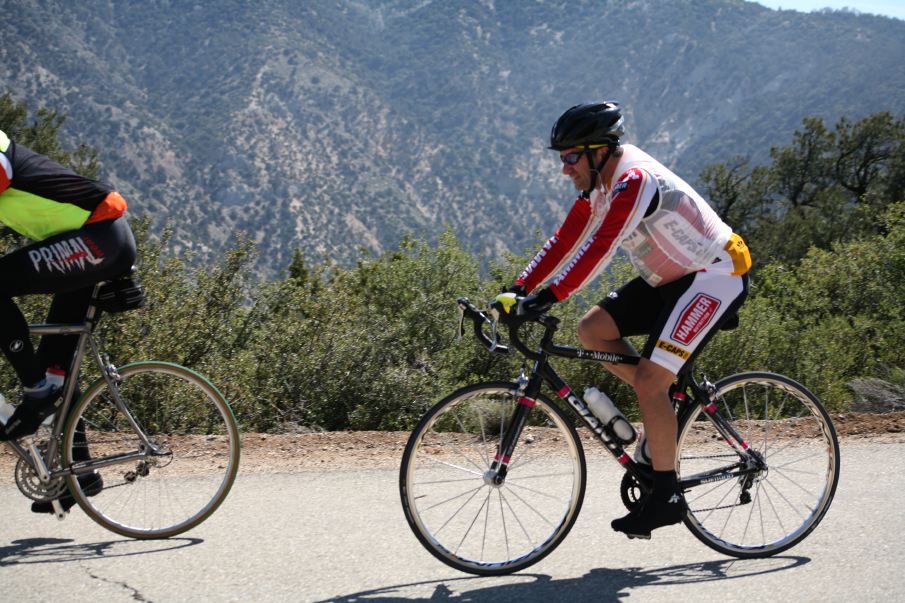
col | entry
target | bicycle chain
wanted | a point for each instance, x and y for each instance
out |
(716, 508)
(710, 456)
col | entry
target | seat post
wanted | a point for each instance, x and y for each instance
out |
(93, 313)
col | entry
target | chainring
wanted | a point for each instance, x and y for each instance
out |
(31, 485)
(631, 492)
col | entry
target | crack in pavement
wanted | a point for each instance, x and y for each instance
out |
(136, 594)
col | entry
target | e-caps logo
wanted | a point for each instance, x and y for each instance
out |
(16, 345)
(695, 317)
(673, 349)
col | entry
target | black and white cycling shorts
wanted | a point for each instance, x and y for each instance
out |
(679, 317)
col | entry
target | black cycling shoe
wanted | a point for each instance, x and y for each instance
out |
(30, 414)
(652, 514)
(91, 484)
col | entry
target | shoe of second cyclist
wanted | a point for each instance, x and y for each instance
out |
(664, 506)
(91, 484)
(38, 403)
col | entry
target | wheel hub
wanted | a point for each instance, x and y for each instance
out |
(493, 478)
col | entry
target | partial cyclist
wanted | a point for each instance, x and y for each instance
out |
(693, 278)
(81, 238)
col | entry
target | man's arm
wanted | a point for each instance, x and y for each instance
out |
(632, 195)
(559, 248)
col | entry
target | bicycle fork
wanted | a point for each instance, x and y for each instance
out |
(527, 399)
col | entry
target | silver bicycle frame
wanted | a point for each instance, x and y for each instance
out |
(85, 331)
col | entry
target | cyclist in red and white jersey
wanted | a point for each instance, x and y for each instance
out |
(692, 277)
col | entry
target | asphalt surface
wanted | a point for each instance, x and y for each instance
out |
(341, 536)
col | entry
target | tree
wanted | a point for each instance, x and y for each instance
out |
(738, 192)
(827, 186)
(42, 135)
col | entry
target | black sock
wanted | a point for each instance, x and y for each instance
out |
(665, 484)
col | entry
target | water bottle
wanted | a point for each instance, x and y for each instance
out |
(642, 450)
(6, 410)
(604, 409)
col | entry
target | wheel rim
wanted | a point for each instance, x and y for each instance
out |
(786, 498)
(163, 494)
(461, 515)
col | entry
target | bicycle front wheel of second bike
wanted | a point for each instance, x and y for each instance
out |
(748, 509)
(454, 506)
(176, 483)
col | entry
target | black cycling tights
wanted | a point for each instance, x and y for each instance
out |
(67, 265)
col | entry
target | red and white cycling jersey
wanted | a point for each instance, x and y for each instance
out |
(682, 235)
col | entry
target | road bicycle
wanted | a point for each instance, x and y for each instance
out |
(493, 477)
(150, 450)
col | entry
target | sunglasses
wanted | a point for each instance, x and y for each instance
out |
(571, 158)
(575, 156)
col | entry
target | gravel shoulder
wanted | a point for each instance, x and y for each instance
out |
(286, 453)
(376, 449)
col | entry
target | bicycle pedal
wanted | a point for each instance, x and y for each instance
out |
(58, 511)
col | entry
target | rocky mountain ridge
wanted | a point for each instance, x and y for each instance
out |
(333, 127)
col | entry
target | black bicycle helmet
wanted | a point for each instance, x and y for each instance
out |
(588, 124)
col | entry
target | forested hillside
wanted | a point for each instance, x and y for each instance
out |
(333, 126)
(369, 346)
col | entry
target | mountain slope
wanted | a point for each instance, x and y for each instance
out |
(332, 126)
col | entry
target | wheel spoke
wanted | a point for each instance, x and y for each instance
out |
(518, 521)
(453, 466)
(535, 491)
(472, 491)
(456, 512)
(471, 525)
(463, 455)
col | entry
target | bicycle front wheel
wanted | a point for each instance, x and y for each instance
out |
(166, 452)
(763, 497)
(454, 507)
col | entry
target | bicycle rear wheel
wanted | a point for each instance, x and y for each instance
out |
(169, 487)
(458, 513)
(768, 498)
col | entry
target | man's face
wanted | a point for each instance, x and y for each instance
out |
(575, 166)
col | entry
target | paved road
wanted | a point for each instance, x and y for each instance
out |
(311, 536)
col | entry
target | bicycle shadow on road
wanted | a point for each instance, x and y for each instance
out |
(601, 584)
(63, 550)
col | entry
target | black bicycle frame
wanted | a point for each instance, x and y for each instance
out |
(543, 372)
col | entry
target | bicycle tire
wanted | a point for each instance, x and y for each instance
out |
(154, 496)
(789, 428)
(443, 471)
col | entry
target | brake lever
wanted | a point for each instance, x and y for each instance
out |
(494, 320)
(461, 333)
(493, 336)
